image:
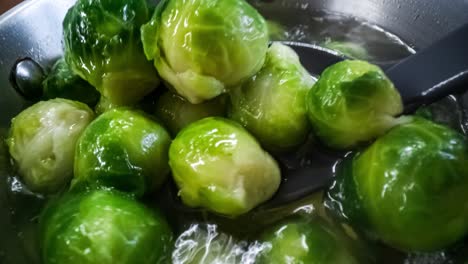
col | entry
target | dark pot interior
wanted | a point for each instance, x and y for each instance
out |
(33, 29)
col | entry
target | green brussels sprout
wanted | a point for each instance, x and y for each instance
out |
(409, 187)
(176, 113)
(124, 149)
(103, 226)
(42, 142)
(206, 244)
(310, 241)
(272, 104)
(62, 82)
(347, 48)
(204, 47)
(103, 46)
(353, 102)
(220, 166)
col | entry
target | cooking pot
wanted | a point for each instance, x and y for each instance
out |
(33, 29)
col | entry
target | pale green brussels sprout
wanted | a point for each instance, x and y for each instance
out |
(176, 113)
(103, 46)
(272, 104)
(62, 82)
(409, 187)
(103, 226)
(125, 149)
(42, 142)
(311, 241)
(204, 47)
(353, 102)
(219, 166)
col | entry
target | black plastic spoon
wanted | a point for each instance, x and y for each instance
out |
(423, 78)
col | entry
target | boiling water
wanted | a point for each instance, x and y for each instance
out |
(317, 27)
(379, 46)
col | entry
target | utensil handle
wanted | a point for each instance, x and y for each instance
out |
(435, 72)
(301, 183)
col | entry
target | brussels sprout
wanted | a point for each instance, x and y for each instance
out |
(62, 82)
(176, 113)
(272, 104)
(220, 166)
(306, 241)
(206, 244)
(349, 49)
(124, 149)
(103, 226)
(42, 142)
(353, 102)
(204, 47)
(103, 46)
(409, 187)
